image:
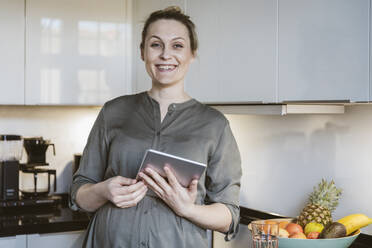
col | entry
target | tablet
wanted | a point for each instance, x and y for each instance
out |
(184, 169)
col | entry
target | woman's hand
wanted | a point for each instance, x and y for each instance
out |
(124, 192)
(180, 199)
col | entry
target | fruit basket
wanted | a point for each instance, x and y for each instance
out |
(318, 243)
(314, 227)
(312, 243)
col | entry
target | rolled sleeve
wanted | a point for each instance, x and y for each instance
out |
(93, 162)
(223, 177)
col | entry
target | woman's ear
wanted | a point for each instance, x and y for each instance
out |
(194, 55)
(142, 54)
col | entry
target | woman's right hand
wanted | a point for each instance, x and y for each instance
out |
(124, 192)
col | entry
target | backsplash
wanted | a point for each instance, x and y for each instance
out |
(67, 127)
(283, 156)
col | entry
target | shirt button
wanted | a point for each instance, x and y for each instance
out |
(172, 107)
(158, 133)
(146, 212)
(143, 243)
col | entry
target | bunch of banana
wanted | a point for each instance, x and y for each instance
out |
(354, 222)
(345, 226)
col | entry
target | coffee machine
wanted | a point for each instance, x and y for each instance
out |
(11, 147)
(35, 179)
(25, 185)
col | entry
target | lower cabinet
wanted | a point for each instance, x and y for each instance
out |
(55, 240)
(19, 241)
(242, 240)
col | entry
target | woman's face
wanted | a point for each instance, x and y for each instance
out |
(167, 52)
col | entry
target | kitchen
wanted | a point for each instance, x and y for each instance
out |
(65, 59)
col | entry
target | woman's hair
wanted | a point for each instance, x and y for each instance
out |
(172, 13)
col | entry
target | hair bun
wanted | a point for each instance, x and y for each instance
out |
(173, 9)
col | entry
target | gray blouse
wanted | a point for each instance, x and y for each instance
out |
(124, 129)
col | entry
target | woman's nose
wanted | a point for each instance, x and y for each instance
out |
(165, 53)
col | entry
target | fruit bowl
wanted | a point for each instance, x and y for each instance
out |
(314, 243)
(318, 243)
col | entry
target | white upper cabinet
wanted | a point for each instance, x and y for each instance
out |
(324, 50)
(203, 79)
(141, 10)
(236, 60)
(12, 16)
(370, 58)
(78, 52)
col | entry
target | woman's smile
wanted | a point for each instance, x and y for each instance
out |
(166, 67)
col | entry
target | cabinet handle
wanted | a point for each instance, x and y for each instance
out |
(317, 101)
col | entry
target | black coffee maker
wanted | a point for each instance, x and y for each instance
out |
(35, 179)
(11, 147)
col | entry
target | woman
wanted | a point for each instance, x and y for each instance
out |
(154, 211)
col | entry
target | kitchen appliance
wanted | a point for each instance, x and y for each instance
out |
(11, 147)
(77, 158)
(36, 148)
(36, 181)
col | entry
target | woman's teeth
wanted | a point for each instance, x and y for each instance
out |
(166, 67)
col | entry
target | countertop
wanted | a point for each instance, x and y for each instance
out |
(42, 220)
(63, 219)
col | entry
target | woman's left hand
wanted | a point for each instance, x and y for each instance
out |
(180, 199)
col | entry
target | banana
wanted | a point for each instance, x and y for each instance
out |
(354, 222)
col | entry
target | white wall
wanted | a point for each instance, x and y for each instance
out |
(283, 156)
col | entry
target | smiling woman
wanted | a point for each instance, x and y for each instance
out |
(155, 211)
(167, 52)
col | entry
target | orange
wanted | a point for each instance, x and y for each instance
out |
(313, 235)
(297, 236)
(294, 228)
(283, 224)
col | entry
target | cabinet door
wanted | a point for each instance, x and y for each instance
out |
(18, 241)
(12, 51)
(323, 50)
(77, 51)
(370, 58)
(141, 10)
(237, 56)
(242, 240)
(56, 240)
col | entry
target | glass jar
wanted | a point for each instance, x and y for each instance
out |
(11, 147)
(36, 182)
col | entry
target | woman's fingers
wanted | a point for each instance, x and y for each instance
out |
(152, 184)
(133, 202)
(130, 189)
(149, 181)
(159, 180)
(171, 177)
(131, 197)
(125, 181)
(193, 187)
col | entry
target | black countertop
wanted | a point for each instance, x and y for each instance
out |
(63, 219)
(247, 215)
(42, 220)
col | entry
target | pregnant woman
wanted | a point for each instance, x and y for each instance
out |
(154, 211)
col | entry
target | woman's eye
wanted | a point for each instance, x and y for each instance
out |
(178, 46)
(155, 45)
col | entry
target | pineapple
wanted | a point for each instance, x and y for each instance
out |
(322, 202)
